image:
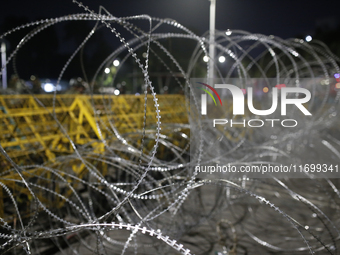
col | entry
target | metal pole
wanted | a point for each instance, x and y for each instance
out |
(3, 63)
(212, 39)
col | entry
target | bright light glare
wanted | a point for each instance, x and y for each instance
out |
(221, 59)
(337, 76)
(107, 70)
(295, 53)
(184, 135)
(116, 62)
(308, 38)
(116, 92)
(228, 32)
(48, 87)
(205, 59)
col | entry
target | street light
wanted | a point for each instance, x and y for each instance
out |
(221, 59)
(116, 62)
(308, 38)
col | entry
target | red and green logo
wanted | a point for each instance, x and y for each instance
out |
(209, 93)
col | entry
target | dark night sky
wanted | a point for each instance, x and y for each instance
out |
(284, 18)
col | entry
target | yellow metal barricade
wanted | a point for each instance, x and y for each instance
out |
(44, 124)
(37, 129)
